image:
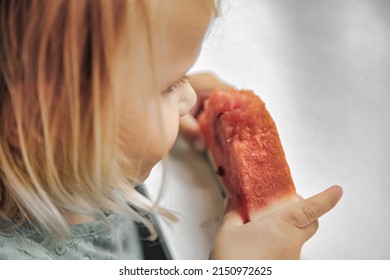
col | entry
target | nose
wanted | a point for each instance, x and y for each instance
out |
(187, 98)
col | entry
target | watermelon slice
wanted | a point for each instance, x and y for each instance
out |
(247, 152)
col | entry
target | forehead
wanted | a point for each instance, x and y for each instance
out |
(179, 29)
(185, 21)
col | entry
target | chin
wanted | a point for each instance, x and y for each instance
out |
(146, 170)
(155, 156)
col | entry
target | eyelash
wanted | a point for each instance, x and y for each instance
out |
(176, 85)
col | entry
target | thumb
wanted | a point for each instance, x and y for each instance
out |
(309, 210)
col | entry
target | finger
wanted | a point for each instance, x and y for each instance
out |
(190, 130)
(232, 217)
(207, 81)
(307, 211)
(204, 84)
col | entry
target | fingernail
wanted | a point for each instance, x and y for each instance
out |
(340, 190)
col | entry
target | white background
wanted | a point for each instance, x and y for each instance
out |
(323, 69)
(94, 269)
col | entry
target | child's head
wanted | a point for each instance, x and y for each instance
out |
(86, 100)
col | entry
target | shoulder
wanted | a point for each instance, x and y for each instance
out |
(15, 246)
(116, 237)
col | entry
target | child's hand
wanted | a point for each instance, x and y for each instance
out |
(203, 84)
(279, 235)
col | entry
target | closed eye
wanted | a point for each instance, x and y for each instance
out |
(176, 85)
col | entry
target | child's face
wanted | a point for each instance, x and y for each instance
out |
(177, 42)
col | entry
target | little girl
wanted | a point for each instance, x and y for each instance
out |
(91, 97)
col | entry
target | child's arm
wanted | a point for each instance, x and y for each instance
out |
(279, 235)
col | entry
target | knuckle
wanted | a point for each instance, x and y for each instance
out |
(311, 212)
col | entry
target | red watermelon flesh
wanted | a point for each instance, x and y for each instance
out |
(246, 149)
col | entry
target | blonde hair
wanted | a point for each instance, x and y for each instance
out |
(61, 147)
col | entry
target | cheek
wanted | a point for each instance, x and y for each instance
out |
(149, 130)
(171, 126)
(163, 127)
(169, 120)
